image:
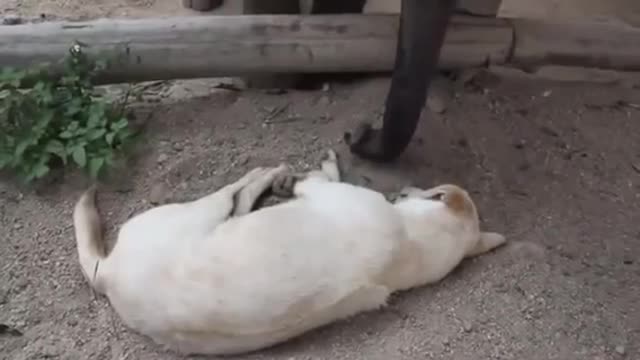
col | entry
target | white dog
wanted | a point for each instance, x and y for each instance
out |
(213, 277)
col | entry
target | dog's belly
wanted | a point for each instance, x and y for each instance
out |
(220, 343)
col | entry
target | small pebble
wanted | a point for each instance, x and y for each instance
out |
(177, 146)
(520, 144)
(162, 158)
(158, 193)
(621, 350)
(437, 104)
(324, 101)
(468, 327)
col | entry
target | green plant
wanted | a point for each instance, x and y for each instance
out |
(48, 120)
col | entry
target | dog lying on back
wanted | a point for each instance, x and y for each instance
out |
(212, 276)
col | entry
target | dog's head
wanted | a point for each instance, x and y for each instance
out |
(452, 204)
(453, 197)
(450, 198)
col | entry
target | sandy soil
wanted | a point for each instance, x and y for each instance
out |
(555, 166)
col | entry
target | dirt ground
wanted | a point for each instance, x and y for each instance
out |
(553, 165)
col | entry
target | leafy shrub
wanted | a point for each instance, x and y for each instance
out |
(49, 120)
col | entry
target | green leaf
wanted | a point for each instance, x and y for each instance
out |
(95, 134)
(22, 147)
(45, 118)
(74, 107)
(96, 115)
(46, 96)
(109, 138)
(73, 126)
(80, 156)
(95, 165)
(40, 170)
(56, 147)
(120, 124)
(39, 86)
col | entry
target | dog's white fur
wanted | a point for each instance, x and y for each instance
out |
(213, 277)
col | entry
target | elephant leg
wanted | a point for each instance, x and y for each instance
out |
(337, 6)
(271, 80)
(423, 25)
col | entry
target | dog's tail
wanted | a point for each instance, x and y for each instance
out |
(88, 231)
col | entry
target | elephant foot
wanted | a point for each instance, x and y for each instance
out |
(366, 142)
(202, 5)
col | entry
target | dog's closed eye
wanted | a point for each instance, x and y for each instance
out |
(437, 196)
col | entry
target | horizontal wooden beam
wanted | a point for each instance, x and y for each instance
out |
(597, 45)
(212, 46)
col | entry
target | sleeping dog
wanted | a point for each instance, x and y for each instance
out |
(213, 276)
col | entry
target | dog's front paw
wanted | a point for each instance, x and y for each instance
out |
(329, 156)
(284, 183)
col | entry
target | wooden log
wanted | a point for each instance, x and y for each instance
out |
(468, 7)
(598, 45)
(211, 46)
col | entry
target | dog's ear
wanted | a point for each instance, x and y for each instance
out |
(487, 242)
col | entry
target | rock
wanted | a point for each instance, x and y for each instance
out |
(8, 330)
(437, 104)
(520, 144)
(324, 100)
(177, 146)
(621, 350)
(467, 326)
(243, 160)
(440, 93)
(162, 158)
(158, 194)
(11, 20)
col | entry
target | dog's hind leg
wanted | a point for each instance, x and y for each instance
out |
(218, 206)
(285, 183)
(330, 167)
(246, 198)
